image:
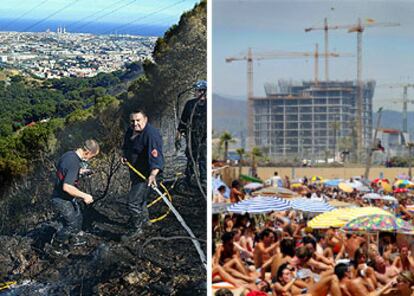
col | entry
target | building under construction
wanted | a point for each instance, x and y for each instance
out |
(306, 120)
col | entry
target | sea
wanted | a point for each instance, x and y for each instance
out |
(75, 27)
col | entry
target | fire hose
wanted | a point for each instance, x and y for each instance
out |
(176, 213)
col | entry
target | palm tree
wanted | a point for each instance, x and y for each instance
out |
(240, 152)
(335, 126)
(226, 138)
(345, 144)
(255, 153)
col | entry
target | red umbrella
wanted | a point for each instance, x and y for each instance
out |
(377, 180)
(400, 190)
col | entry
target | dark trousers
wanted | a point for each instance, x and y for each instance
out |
(70, 214)
(199, 153)
(137, 204)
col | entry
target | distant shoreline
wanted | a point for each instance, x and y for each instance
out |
(6, 25)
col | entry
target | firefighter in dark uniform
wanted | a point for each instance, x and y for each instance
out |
(66, 194)
(193, 126)
(142, 148)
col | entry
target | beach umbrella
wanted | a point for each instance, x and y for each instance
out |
(371, 196)
(339, 217)
(249, 178)
(345, 187)
(316, 179)
(403, 177)
(364, 189)
(332, 183)
(377, 180)
(253, 186)
(401, 190)
(403, 184)
(217, 208)
(389, 198)
(260, 204)
(378, 222)
(297, 181)
(379, 196)
(386, 186)
(311, 206)
(355, 184)
(274, 191)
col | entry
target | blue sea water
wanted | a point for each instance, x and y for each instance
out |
(94, 28)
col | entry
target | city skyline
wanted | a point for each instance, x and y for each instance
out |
(279, 26)
(118, 16)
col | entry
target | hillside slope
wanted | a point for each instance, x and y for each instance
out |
(152, 264)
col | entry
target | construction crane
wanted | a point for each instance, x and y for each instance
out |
(273, 55)
(326, 28)
(358, 28)
(405, 101)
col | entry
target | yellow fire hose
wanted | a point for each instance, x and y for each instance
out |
(176, 213)
(7, 285)
(157, 199)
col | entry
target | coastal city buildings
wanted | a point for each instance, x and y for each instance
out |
(307, 120)
(62, 54)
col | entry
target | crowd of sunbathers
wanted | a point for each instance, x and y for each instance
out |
(278, 254)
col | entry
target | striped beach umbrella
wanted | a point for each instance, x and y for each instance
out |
(260, 204)
(311, 206)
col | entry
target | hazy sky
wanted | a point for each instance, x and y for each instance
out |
(388, 52)
(163, 12)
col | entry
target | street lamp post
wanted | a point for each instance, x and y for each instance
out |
(372, 148)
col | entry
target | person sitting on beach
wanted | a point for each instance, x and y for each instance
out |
(303, 259)
(264, 250)
(236, 194)
(219, 196)
(352, 243)
(287, 252)
(317, 259)
(384, 271)
(288, 283)
(245, 254)
(405, 261)
(247, 239)
(227, 256)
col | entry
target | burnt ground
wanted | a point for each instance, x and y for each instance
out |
(108, 264)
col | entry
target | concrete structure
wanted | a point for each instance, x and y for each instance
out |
(394, 142)
(306, 120)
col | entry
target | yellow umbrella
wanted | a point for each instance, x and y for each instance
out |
(345, 187)
(316, 179)
(339, 217)
(387, 187)
(296, 185)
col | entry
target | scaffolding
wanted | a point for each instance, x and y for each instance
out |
(306, 120)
